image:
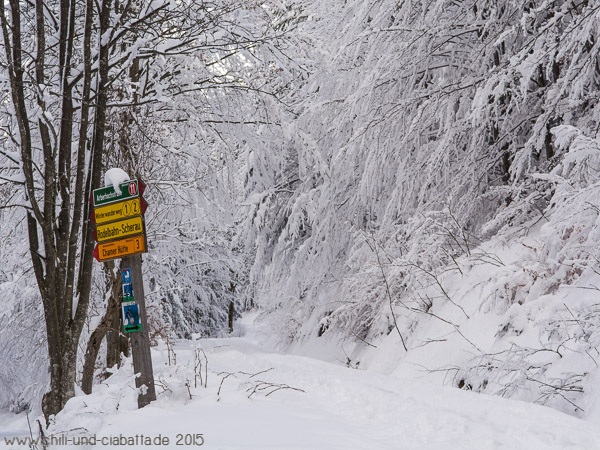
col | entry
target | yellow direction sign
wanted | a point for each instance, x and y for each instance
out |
(117, 230)
(117, 211)
(120, 248)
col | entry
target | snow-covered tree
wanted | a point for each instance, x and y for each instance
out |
(420, 133)
(84, 83)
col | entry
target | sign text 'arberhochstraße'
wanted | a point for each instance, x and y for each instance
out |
(103, 196)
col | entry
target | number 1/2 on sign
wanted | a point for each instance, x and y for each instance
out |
(117, 211)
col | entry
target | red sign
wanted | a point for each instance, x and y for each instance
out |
(132, 188)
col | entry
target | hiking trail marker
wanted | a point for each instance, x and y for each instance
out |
(119, 218)
(108, 194)
(117, 211)
(121, 233)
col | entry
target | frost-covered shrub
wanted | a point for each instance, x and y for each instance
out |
(425, 131)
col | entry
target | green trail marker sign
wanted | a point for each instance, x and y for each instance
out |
(103, 196)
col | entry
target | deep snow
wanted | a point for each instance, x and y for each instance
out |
(314, 405)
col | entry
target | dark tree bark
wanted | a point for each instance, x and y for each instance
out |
(65, 61)
(59, 178)
(109, 328)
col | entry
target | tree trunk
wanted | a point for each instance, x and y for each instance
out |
(230, 316)
(63, 61)
(116, 343)
(108, 327)
(59, 167)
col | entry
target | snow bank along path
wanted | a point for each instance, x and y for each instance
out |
(258, 400)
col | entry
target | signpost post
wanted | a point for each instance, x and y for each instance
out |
(140, 341)
(121, 233)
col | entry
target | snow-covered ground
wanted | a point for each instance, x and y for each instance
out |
(257, 399)
(12, 425)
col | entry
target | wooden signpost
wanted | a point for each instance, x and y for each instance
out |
(121, 233)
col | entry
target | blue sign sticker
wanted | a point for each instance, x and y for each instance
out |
(126, 275)
(127, 290)
(131, 318)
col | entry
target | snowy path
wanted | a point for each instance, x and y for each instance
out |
(350, 409)
(340, 408)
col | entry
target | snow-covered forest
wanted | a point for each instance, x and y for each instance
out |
(404, 187)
